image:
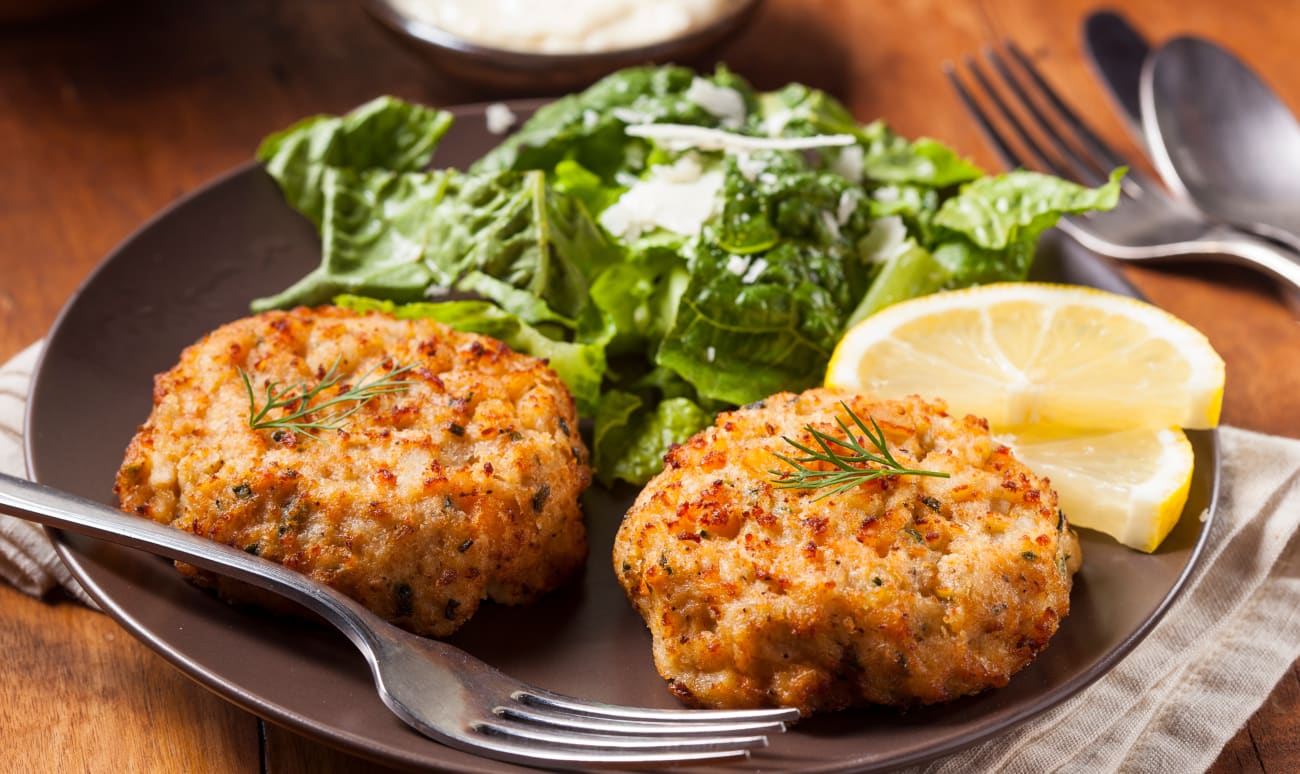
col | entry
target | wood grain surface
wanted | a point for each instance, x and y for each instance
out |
(109, 114)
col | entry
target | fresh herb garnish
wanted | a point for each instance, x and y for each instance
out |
(850, 469)
(298, 401)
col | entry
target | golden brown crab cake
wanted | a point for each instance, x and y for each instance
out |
(459, 486)
(903, 590)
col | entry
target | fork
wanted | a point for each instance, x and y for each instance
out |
(1148, 224)
(440, 690)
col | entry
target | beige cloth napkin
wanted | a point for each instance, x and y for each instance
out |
(1170, 706)
(27, 560)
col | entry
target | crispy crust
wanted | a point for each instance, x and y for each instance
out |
(462, 487)
(904, 590)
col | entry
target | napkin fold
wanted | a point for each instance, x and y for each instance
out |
(1169, 706)
(27, 560)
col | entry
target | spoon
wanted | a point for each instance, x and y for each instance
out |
(1219, 133)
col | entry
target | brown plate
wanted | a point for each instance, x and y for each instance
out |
(197, 265)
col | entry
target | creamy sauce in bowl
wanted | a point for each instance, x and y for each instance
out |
(565, 26)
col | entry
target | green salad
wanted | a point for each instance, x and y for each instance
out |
(674, 244)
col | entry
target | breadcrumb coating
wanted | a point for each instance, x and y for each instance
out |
(460, 487)
(904, 590)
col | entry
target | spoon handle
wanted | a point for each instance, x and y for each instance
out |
(1278, 261)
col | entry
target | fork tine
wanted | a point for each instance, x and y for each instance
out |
(1004, 150)
(1108, 155)
(538, 698)
(1087, 168)
(617, 742)
(1134, 182)
(1046, 160)
(608, 725)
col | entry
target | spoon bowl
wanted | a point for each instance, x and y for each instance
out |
(1217, 131)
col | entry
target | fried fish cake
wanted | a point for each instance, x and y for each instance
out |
(459, 486)
(903, 590)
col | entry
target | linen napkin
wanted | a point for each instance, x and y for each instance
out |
(27, 560)
(1169, 706)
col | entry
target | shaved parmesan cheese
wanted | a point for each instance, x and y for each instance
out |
(683, 136)
(886, 193)
(750, 168)
(849, 164)
(886, 240)
(722, 103)
(686, 169)
(832, 226)
(499, 117)
(774, 124)
(737, 264)
(630, 116)
(676, 197)
(845, 209)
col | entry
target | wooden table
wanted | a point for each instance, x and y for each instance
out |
(109, 115)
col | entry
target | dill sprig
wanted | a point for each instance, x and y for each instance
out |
(852, 466)
(297, 400)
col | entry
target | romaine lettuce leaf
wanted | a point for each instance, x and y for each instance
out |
(989, 231)
(796, 110)
(910, 272)
(394, 235)
(630, 439)
(385, 133)
(992, 211)
(771, 285)
(637, 302)
(374, 237)
(572, 179)
(588, 127)
(738, 341)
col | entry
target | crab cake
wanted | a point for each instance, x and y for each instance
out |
(902, 590)
(459, 485)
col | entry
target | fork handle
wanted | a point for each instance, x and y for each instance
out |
(1282, 263)
(55, 508)
(1226, 243)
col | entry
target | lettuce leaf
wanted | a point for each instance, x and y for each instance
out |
(395, 235)
(385, 133)
(374, 237)
(910, 272)
(771, 284)
(989, 231)
(630, 439)
(737, 342)
(890, 158)
(589, 127)
(637, 302)
(992, 212)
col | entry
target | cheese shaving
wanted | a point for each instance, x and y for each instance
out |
(682, 136)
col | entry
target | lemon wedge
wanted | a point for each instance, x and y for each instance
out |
(1023, 353)
(1089, 388)
(1130, 484)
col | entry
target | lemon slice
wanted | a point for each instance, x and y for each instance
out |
(1131, 484)
(1023, 353)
